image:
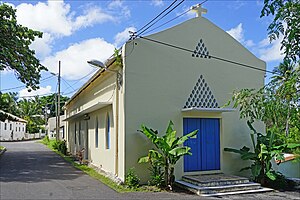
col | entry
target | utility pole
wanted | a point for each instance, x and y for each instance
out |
(58, 106)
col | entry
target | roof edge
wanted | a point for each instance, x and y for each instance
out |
(108, 63)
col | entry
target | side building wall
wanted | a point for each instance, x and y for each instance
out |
(98, 103)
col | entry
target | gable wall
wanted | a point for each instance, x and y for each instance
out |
(159, 79)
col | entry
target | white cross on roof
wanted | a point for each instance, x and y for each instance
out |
(199, 10)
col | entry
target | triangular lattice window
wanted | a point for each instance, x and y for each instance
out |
(201, 96)
(201, 50)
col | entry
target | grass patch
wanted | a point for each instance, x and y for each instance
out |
(93, 173)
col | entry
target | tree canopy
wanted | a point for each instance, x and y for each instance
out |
(32, 110)
(15, 53)
(287, 23)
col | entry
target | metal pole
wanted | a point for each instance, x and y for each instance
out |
(46, 120)
(58, 105)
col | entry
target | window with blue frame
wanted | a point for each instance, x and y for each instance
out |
(96, 132)
(107, 131)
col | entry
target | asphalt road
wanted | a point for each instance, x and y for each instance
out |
(29, 170)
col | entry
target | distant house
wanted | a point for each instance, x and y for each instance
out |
(51, 127)
(13, 128)
(184, 74)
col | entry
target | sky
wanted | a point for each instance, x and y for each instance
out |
(77, 31)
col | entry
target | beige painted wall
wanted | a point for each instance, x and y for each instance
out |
(159, 79)
(101, 90)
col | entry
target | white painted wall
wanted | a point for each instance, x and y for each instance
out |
(51, 126)
(12, 130)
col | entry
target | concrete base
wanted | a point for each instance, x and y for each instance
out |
(219, 184)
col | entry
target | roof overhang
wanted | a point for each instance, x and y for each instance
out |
(196, 109)
(108, 63)
(87, 110)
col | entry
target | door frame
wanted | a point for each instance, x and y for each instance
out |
(209, 115)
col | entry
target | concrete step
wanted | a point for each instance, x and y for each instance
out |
(222, 189)
(239, 192)
(216, 180)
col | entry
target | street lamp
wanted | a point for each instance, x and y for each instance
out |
(97, 63)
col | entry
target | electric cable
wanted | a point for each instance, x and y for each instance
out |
(173, 18)
(78, 80)
(167, 22)
(24, 86)
(161, 18)
(205, 55)
(157, 16)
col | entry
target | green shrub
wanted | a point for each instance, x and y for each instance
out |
(46, 140)
(280, 183)
(54, 144)
(131, 179)
(59, 146)
(156, 176)
(62, 147)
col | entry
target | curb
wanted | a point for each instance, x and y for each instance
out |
(2, 151)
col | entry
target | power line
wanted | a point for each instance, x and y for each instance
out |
(70, 86)
(168, 21)
(79, 80)
(71, 91)
(161, 17)
(157, 16)
(209, 56)
(37, 95)
(24, 86)
(174, 18)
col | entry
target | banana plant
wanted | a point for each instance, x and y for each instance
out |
(266, 147)
(168, 150)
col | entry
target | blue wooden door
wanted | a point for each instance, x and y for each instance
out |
(205, 147)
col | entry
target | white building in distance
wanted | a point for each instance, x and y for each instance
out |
(13, 128)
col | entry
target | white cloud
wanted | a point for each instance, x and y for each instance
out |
(123, 36)
(264, 49)
(55, 17)
(74, 58)
(118, 5)
(40, 91)
(270, 51)
(236, 4)
(42, 46)
(238, 34)
(91, 17)
(158, 3)
(56, 20)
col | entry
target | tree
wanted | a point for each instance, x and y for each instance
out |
(31, 111)
(265, 148)
(8, 102)
(48, 103)
(168, 151)
(15, 53)
(287, 23)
